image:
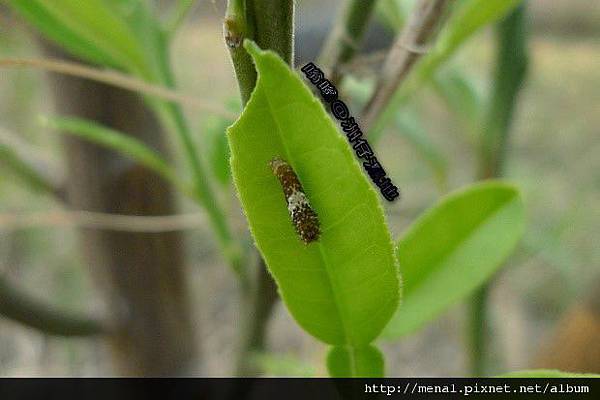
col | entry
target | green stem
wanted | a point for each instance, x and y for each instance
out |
(509, 75)
(478, 331)
(237, 26)
(270, 23)
(274, 26)
(171, 115)
(345, 38)
(203, 192)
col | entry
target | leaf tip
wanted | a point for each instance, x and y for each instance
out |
(252, 48)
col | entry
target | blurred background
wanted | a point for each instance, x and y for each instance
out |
(553, 156)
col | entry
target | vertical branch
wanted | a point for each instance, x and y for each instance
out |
(345, 38)
(237, 26)
(406, 51)
(258, 304)
(28, 165)
(274, 26)
(509, 75)
(270, 23)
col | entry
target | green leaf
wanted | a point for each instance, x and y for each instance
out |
(217, 148)
(453, 249)
(34, 13)
(344, 287)
(278, 364)
(118, 141)
(365, 362)
(150, 38)
(93, 22)
(546, 373)
(393, 13)
(468, 17)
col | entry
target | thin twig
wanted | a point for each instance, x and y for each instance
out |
(509, 75)
(406, 51)
(95, 220)
(21, 307)
(345, 38)
(30, 164)
(117, 79)
(369, 61)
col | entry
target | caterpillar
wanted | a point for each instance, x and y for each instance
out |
(304, 218)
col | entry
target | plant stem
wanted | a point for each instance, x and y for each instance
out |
(274, 26)
(237, 26)
(270, 23)
(477, 330)
(20, 307)
(259, 305)
(172, 116)
(344, 40)
(403, 56)
(116, 79)
(509, 75)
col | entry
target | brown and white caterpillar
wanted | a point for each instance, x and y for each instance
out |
(304, 218)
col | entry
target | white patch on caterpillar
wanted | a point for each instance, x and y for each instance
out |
(304, 218)
(296, 201)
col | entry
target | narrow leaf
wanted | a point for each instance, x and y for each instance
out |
(453, 249)
(344, 287)
(365, 362)
(468, 17)
(34, 13)
(217, 148)
(92, 21)
(117, 141)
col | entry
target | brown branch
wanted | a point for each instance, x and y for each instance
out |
(116, 79)
(404, 54)
(21, 307)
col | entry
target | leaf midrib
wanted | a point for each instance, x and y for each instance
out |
(331, 281)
